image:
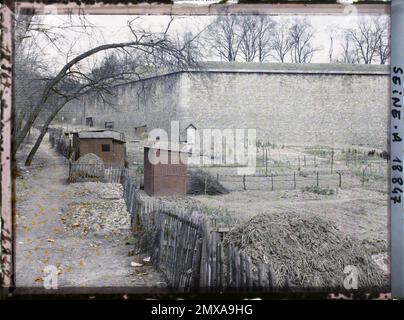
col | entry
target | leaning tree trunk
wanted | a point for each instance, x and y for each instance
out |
(22, 133)
(45, 94)
(44, 129)
(34, 149)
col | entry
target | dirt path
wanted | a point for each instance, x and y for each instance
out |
(82, 260)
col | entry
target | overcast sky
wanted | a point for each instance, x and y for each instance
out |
(113, 28)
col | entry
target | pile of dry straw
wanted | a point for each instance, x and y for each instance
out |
(201, 182)
(305, 251)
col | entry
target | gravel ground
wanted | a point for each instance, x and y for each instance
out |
(82, 229)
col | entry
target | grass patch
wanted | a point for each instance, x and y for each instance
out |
(319, 190)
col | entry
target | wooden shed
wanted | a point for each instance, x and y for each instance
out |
(109, 145)
(89, 121)
(109, 125)
(140, 131)
(188, 134)
(164, 178)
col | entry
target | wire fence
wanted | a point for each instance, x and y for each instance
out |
(317, 157)
(295, 180)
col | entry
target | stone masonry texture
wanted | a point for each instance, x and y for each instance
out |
(285, 103)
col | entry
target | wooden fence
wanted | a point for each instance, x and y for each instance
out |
(62, 144)
(188, 250)
(81, 172)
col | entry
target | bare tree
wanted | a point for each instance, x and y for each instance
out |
(224, 37)
(29, 66)
(255, 35)
(32, 70)
(348, 53)
(331, 49)
(74, 80)
(301, 36)
(265, 29)
(192, 44)
(370, 40)
(280, 43)
(383, 47)
(248, 37)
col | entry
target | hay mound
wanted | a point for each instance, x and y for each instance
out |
(305, 251)
(90, 158)
(88, 166)
(197, 180)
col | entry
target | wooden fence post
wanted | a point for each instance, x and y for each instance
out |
(249, 274)
(196, 264)
(261, 276)
(340, 179)
(228, 267)
(160, 245)
(213, 258)
(317, 178)
(244, 186)
(263, 153)
(203, 279)
(294, 180)
(363, 177)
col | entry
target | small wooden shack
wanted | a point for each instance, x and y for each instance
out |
(109, 145)
(165, 169)
(188, 133)
(109, 125)
(89, 122)
(140, 131)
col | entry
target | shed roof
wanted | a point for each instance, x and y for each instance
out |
(102, 134)
(184, 129)
(190, 125)
(142, 126)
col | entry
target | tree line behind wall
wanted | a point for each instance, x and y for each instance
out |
(260, 38)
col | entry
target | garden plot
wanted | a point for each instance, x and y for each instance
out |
(303, 180)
